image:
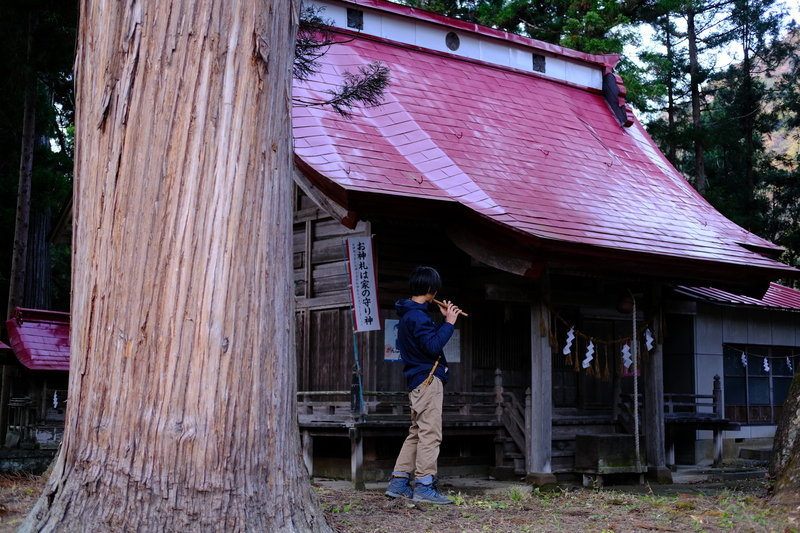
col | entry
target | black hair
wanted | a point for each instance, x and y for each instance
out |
(424, 280)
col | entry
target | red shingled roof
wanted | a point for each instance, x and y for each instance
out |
(544, 159)
(40, 339)
(776, 297)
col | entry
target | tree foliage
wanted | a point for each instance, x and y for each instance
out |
(51, 62)
(741, 115)
(716, 121)
(315, 36)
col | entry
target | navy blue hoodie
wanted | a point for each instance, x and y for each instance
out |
(421, 342)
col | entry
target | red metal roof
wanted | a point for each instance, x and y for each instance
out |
(776, 297)
(40, 339)
(542, 158)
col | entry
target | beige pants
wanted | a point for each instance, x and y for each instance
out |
(421, 447)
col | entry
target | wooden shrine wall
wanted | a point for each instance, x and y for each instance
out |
(323, 329)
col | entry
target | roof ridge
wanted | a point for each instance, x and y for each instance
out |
(607, 60)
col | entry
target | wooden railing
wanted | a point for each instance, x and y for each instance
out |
(690, 411)
(326, 408)
(316, 405)
(695, 405)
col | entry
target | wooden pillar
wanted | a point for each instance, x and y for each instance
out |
(654, 400)
(498, 393)
(499, 453)
(719, 411)
(717, 446)
(528, 432)
(357, 459)
(671, 446)
(308, 451)
(654, 407)
(541, 414)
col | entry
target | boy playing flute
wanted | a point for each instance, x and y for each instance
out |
(421, 343)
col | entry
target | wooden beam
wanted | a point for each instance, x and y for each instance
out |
(329, 206)
(495, 257)
(340, 299)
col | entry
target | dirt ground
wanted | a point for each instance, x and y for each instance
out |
(709, 506)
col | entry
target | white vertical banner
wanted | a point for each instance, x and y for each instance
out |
(363, 284)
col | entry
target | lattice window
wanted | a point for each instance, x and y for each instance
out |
(755, 392)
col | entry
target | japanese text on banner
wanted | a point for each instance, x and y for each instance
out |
(363, 285)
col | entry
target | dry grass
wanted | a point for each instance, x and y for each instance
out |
(577, 510)
(18, 493)
(744, 506)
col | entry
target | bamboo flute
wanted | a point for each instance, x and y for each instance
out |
(441, 304)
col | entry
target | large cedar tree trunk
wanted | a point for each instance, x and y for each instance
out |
(785, 466)
(182, 415)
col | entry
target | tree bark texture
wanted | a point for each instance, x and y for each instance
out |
(785, 466)
(182, 410)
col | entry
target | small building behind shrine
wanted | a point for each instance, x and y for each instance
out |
(38, 396)
(751, 344)
(38, 364)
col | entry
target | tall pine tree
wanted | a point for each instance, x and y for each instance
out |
(742, 113)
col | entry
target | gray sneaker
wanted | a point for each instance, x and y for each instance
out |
(399, 488)
(429, 494)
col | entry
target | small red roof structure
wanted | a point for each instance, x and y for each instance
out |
(556, 171)
(777, 297)
(40, 339)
